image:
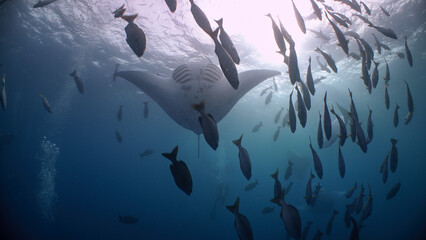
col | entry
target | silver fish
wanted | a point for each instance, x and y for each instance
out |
(378, 44)
(341, 164)
(343, 17)
(375, 75)
(323, 67)
(245, 162)
(320, 138)
(120, 113)
(285, 119)
(78, 81)
(201, 18)
(365, 75)
(393, 155)
(278, 115)
(384, 11)
(293, 71)
(386, 98)
(317, 10)
(268, 98)
(289, 170)
(275, 84)
(291, 114)
(342, 127)
(299, 18)
(369, 52)
(351, 191)
(330, 61)
(277, 133)
(327, 119)
(393, 191)
(285, 34)
(277, 184)
(316, 159)
(46, 104)
(308, 193)
(279, 39)
(309, 79)
(330, 222)
(385, 31)
(242, 224)
(180, 172)
(208, 125)
(385, 46)
(251, 186)
(400, 55)
(3, 99)
(301, 109)
(288, 188)
(408, 52)
(257, 127)
(395, 116)
(384, 168)
(227, 42)
(410, 105)
(365, 7)
(364, 19)
(306, 95)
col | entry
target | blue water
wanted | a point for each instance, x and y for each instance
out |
(65, 176)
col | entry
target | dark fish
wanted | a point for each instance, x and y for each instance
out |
(180, 172)
(245, 163)
(293, 71)
(365, 7)
(277, 185)
(301, 109)
(201, 18)
(119, 12)
(369, 52)
(352, 107)
(341, 164)
(343, 17)
(368, 206)
(330, 61)
(242, 224)
(365, 75)
(362, 141)
(375, 75)
(43, 3)
(288, 188)
(120, 113)
(342, 127)
(257, 127)
(172, 4)
(386, 98)
(225, 61)
(208, 125)
(384, 168)
(78, 81)
(359, 200)
(395, 116)
(385, 46)
(408, 52)
(291, 114)
(267, 210)
(127, 219)
(351, 191)
(317, 161)
(385, 31)
(147, 152)
(268, 98)
(393, 155)
(400, 55)
(277, 133)
(355, 231)
(318, 80)
(227, 42)
(118, 136)
(384, 11)
(309, 79)
(315, 194)
(337, 18)
(251, 186)
(3, 99)
(146, 109)
(378, 44)
(347, 217)
(364, 19)
(308, 193)
(370, 126)
(394, 190)
(299, 18)
(320, 138)
(46, 104)
(289, 170)
(290, 216)
(319, 34)
(279, 39)
(305, 230)
(278, 115)
(323, 66)
(330, 222)
(355, 56)
(410, 105)
(327, 119)
(306, 95)
(317, 10)
(286, 35)
(136, 38)
(265, 90)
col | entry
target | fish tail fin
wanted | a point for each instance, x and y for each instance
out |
(275, 174)
(219, 22)
(171, 156)
(198, 107)
(114, 76)
(394, 141)
(130, 18)
(215, 33)
(238, 141)
(73, 74)
(317, 49)
(234, 208)
(312, 175)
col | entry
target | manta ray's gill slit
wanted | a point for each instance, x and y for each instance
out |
(181, 72)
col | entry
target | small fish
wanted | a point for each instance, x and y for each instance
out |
(119, 12)
(3, 99)
(384, 11)
(172, 4)
(365, 75)
(330, 61)
(351, 191)
(306, 95)
(277, 133)
(330, 222)
(279, 39)
(285, 119)
(288, 188)
(293, 71)
(268, 98)
(277, 184)
(285, 34)
(318, 80)
(338, 19)
(364, 19)
(127, 219)
(370, 126)
(308, 193)
(410, 104)
(242, 224)
(309, 79)
(315, 194)
(180, 172)
(400, 55)
(362, 141)
(146, 153)
(225, 61)
(341, 164)
(41, 3)
(316, 159)
(78, 81)
(201, 18)
(251, 186)
(385, 31)
(368, 206)
(327, 119)
(305, 230)
(393, 155)
(386, 98)
(291, 114)
(385, 46)
(320, 138)
(342, 127)
(369, 50)
(245, 163)
(375, 75)
(353, 111)
(343, 17)
(257, 127)
(46, 104)
(264, 91)
(278, 115)
(395, 116)
(289, 170)
(393, 191)
(208, 125)
(323, 67)
(347, 217)
(227, 42)
(267, 210)
(146, 109)
(299, 18)
(290, 217)
(317, 10)
(136, 38)
(408, 52)
(378, 44)
(118, 136)
(354, 56)
(365, 7)
(384, 168)
(355, 231)
(120, 113)
(301, 109)
(319, 34)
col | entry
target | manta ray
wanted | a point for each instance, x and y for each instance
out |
(192, 83)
